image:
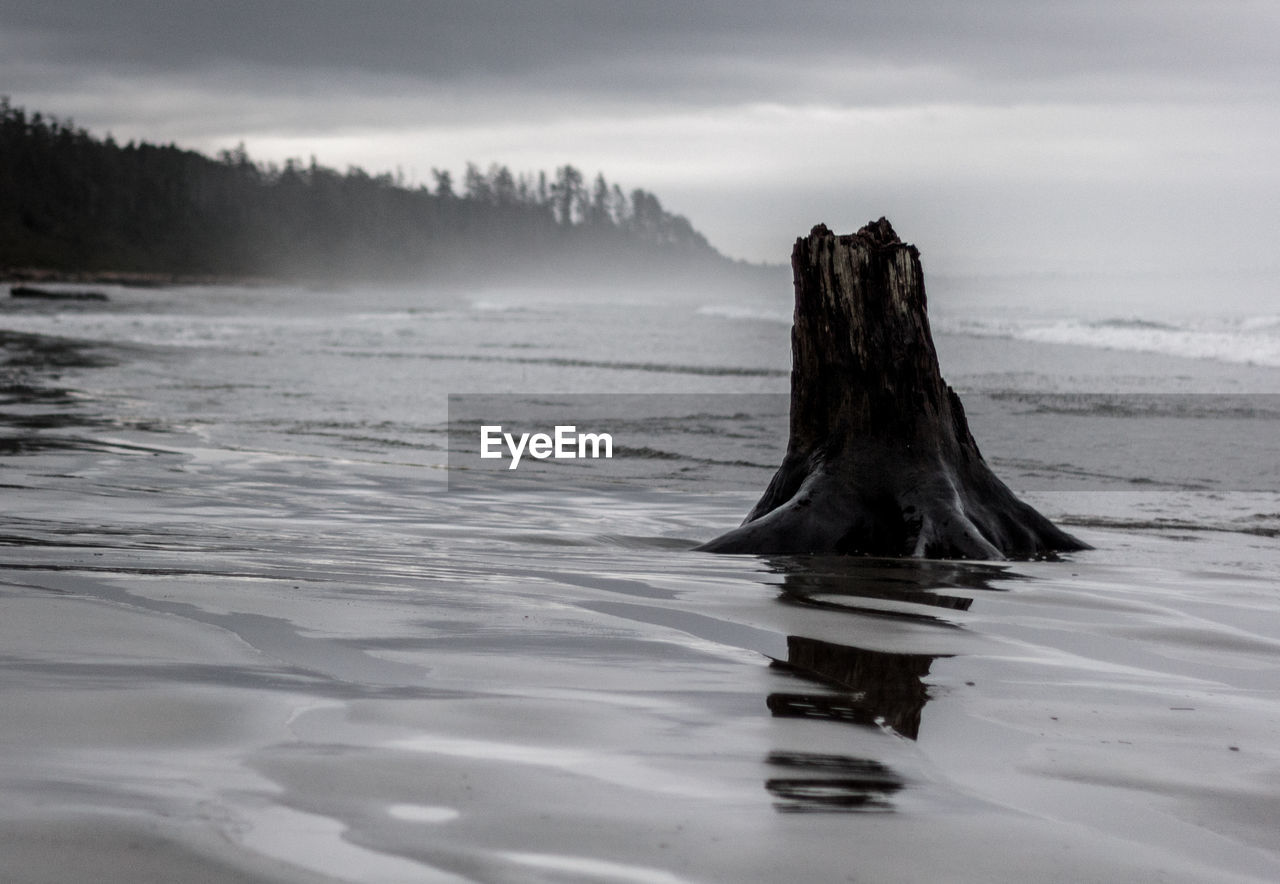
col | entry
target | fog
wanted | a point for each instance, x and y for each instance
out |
(1000, 137)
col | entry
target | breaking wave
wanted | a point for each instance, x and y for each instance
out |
(745, 312)
(1253, 340)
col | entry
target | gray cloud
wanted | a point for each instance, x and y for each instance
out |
(1034, 131)
(695, 52)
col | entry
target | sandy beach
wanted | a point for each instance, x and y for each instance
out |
(252, 634)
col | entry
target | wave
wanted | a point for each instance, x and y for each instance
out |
(742, 311)
(488, 305)
(1209, 406)
(1251, 340)
(565, 362)
(1259, 525)
(1247, 340)
(1133, 324)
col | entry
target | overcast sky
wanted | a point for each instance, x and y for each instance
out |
(998, 135)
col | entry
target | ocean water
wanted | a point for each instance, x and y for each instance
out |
(267, 617)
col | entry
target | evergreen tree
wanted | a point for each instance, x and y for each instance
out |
(71, 202)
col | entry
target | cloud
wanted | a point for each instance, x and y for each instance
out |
(995, 129)
(688, 52)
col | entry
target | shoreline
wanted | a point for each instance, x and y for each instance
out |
(127, 278)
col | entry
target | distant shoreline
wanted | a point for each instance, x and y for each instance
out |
(130, 279)
(552, 273)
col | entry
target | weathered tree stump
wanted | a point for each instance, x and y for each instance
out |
(880, 460)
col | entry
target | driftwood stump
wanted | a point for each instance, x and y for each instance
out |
(880, 460)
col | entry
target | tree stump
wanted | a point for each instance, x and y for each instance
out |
(880, 460)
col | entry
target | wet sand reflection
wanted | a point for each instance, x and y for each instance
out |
(870, 687)
(855, 685)
(39, 413)
(831, 783)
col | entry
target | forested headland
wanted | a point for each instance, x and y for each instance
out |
(74, 203)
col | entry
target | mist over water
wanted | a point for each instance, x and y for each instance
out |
(250, 621)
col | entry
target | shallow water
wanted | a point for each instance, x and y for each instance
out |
(250, 629)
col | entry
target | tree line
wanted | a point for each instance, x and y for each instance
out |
(70, 201)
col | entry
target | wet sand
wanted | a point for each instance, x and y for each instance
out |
(248, 636)
(664, 717)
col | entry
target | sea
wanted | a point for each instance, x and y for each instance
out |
(268, 615)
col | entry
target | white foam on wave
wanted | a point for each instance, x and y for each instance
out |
(1245, 341)
(136, 328)
(743, 311)
(488, 305)
(197, 331)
